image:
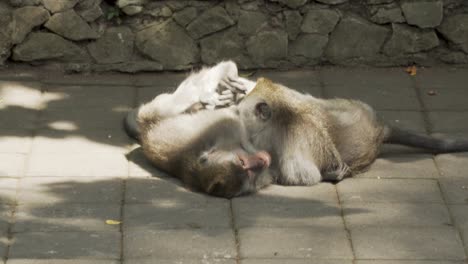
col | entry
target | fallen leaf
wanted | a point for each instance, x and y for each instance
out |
(411, 70)
(113, 222)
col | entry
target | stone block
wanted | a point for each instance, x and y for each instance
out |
(164, 214)
(291, 3)
(455, 190)
(320, 21)
(173, 243)
(415, 243)
(66, 190)
(71, 26)
(90, 14)
(386, 13)
(308, 46)
(389, 190)
(448, 121)
(114, 46)
(8, 189)
(251, 213)
(410, 120)
(402, 166)
(453, 165)
(71, 245)
(185, 16)
(298, 242)
(210, 21)
(424, 14)
(407, 39)
(12, 164)
(77, 165)
(395, 215)
(65, 217)
(25, 19)
(55, 6)
(250, 22)
(268, 45)
(332, 2)
(455, 29)
(293, 22)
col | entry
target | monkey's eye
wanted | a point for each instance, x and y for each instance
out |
(262, 110)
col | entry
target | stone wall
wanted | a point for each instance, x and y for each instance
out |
(150, 35)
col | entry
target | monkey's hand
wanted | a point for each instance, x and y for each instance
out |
(336, 174)
(217, 100)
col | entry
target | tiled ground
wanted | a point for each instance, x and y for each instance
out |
(66, 167)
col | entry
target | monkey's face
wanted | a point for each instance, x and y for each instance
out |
(228, 173)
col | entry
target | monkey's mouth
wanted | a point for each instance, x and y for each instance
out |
(265, 158)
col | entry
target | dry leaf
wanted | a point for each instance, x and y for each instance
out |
(113, 222)
(411, 70)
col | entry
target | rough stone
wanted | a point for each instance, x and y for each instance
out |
(116, 45)
(291, 3)
(423, 13)
(332, 2)
(212, 20)
(455, 29)
(224, 45)
(91, 14)
(168, 44)
(185, 16)
(293, 23)
(377, 2)
(124, 3)
(309, 46)
(132, 10)
(87, 4)
(25, 19)
(268, 45)
(383, 14)
(55, 6)
(71, 26)
(321, 21)
(250, 22)
(43, 46)
(407, 39)
(355, 37)
(21, 3)
(252, 5)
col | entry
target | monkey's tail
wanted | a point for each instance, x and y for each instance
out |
(130, 124)
(393, 135)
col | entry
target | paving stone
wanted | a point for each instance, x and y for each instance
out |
(65, 217)
(276, 194)
(449, 78)
(371, 77)
(6, 212)
(15, 140)
(389, 190)
(415, 243)
(84, 118)
(84, 141)
(395, 215)
(113, 79)
(77, 165)
(455, 190)
(303, 81)
(460, 215)
(71, 245)
(8, 187)
(12, 165)
(407, 262)
(141, 167)
(453, 164)
(16, 117)
(167, 214)
(293, 214)
(411, 120)
(147, 94)
(61, 261)
(292, 261)
(63, 190)
(160, 80)
(448, 121)
(190, 243)
(307, 242)
(402, 166)
(182, 260)
(445, 98)
(158, 191)
(104, 97)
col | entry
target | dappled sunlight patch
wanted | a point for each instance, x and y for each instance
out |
(25, 95)
(62, 125)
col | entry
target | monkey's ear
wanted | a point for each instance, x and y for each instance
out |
(263, 111)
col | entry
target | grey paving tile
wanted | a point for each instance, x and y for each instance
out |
(140, 166)
(159, 80)
(174, 243)
(69, 245)
(158, 192)
(460, 215)
(407, 262)
(389, 190)
(448, 121)
(371, 77)
(442, 77)
(3, 247)
(65, 190)
(394, 149)
(65, 217)
(148, 93)
(61, 261)
(305, 242)
(85, 141)
(5, 217)
(178, 260)
(395, 215)
(455, 190)
(407, 243)
(453, 165)
(111, 79)
(280, 260)
(77, 165)
(83, 118)
(15, 140)
(249, 213)
(411, 120)
(167, 214)
(402, 166)
(322, 193)
(12, 164)
(305, 81)
(445, 98)
(8, 188)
